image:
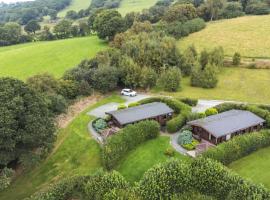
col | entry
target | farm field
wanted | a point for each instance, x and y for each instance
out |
(144, 157)
(65, 160)
(75, 5)
(248, 35)
(239, 84)
(55, 57)
(127, 6)
(255, 166)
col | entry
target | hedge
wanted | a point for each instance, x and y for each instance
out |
(176, 123)
(238, 147)
(189, 101)
(118, 145)
(177, 106)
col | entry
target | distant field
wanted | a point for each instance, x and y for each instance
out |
(255, 166)
(75, 5)
(55, 57)
(127, 6)
(239, 84)
(249, 35)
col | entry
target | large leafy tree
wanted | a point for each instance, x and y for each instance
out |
(108, 23)
(25, 122)
(32, 26)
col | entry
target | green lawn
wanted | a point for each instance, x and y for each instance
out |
(248, 35)
(255, 166)
(76, 5)
(239, 84)
(144, 157)
(76, 153)
(55, 57)
(127, 6)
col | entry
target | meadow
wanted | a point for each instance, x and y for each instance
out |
(248, 35)
(254, 166)
(55, 57)
(238, 84)
(127, 6)
(75, 5)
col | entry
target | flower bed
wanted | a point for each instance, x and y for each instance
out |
(191, 146)
(99, 125)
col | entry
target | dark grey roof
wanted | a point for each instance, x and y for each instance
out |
(142, 112)
(228, 122)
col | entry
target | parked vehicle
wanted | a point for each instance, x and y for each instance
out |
(128, 92)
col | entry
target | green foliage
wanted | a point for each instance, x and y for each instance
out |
(191, 146)
(194, 116)
(133, 104)
(257, 7)
(211, 111)
(189, 61)
(189, 101)
(32, 26)
(176, 123)
(170, 79)
(26, 122)
(232, 10)
(5, 178)
(127, 139)
(148, 78)
(170, 152)
(236, 58)
(121, 107)
(180, 12)
(185, 137)
(238, 147)
(63, 29)
(99, 124)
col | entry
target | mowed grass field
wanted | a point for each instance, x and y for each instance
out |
(127, 6)
(239, 84)
(75, 5)
(75, 153)
(248, 35)
(55, 57)
(255, 167)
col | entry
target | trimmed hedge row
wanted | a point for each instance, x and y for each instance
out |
(127, 139)
(259, 110)
(177, 106)
(176, 123)
(239, 147)
(189, 101)
(206, 176)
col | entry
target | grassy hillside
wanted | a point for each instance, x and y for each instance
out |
(255, 167)
(127, 6)
(75, 153)
(22, 61)
(249, 35)
(75, 5)
(239, 84)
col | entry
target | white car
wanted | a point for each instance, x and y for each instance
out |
(128, 92)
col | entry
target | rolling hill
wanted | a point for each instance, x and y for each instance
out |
(55, 57)
(127, 6)
(75, 5)
(248, 35)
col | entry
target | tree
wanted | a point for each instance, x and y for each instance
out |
(71, 15)
(211, 9)
(32, 26)
(25, 121)
(53, 14)
(180, 12)
(63, 29)
(236, 58)
(148, 78)
(205, 78)
(46, 34)
(108, 23)
(170, 79)
(189, 61)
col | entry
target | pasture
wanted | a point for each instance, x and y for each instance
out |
(248, 35)
(238, 84)
(127, 6)
(254, 166)
(55, 57)
(75, 5)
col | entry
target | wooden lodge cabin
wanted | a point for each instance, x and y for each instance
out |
(222, 127)
(152, 111)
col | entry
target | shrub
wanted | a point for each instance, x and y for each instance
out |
(211, 111)
(176, 123)
(5, 178)
(99, 124)
(170, 79)
(185, 137)
(239, 147)
(194, 116)
(189, 101)
(191, 146)
(236, 58)
(121, 107)
(134, 104)
(169, 152)
(127, 139)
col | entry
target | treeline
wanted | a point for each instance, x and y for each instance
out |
(24, 12)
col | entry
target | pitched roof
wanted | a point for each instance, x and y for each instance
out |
(142, 112)
(228, 122)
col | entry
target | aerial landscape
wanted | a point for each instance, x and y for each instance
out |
(134, 100)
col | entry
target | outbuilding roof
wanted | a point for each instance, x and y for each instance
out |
(141, 112)
(228, 122)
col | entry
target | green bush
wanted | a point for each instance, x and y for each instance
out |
(133, 104)
(195, 116)
(177, 106)
(211, 111)
(236, 59)
(99, 124)
(176, 123)
(127, 139)
(239, 147)
(189, 101)
(121, 107)
(169, 152)
(191, 146)
(5, 178)
(185, 137)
